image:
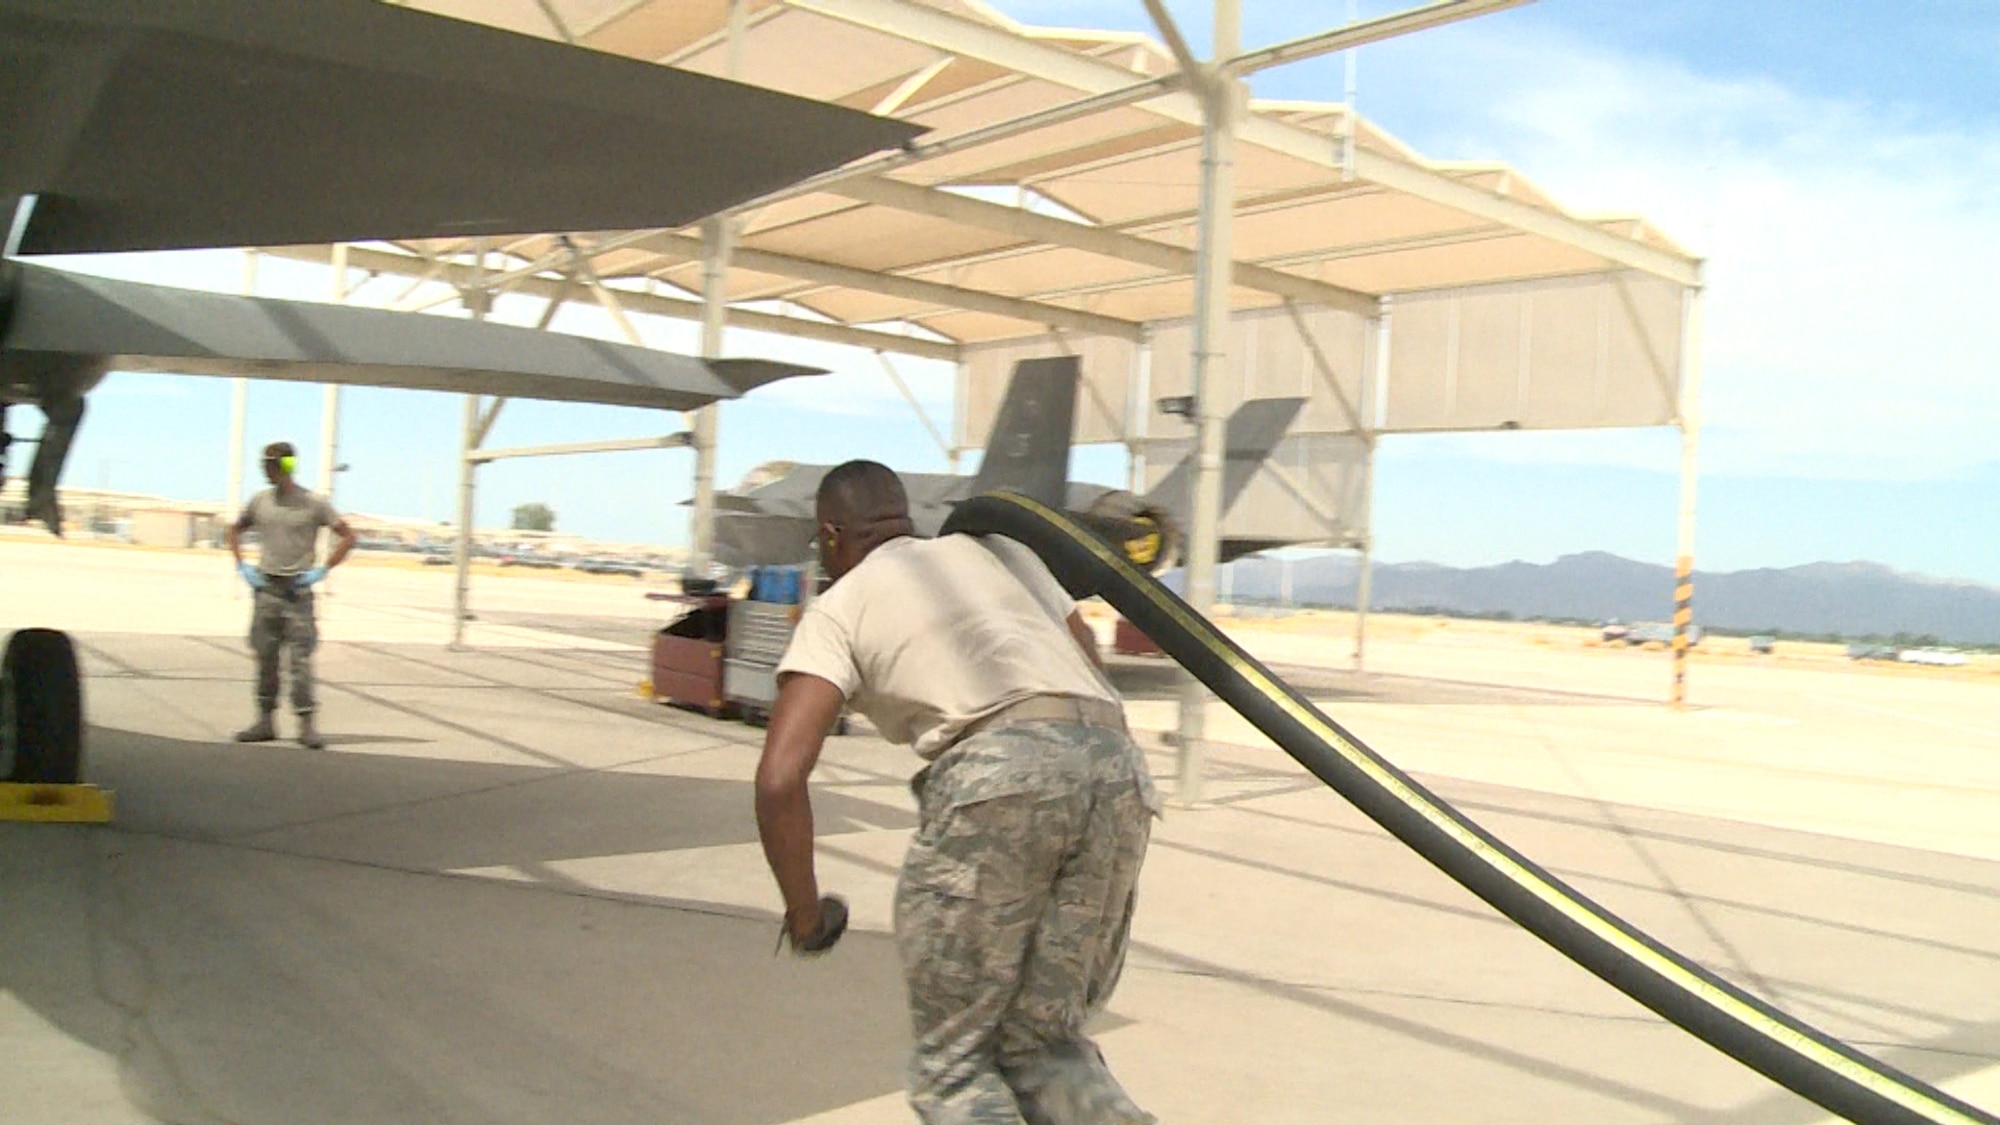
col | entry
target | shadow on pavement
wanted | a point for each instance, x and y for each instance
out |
(268, 935)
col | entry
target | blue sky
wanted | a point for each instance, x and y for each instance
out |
(1834, 162)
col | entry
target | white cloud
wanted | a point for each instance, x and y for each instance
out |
(1850, 330)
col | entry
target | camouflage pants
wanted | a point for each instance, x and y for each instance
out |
(1012, 918)
(283, 621)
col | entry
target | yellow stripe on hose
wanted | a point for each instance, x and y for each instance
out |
(1914, 1100)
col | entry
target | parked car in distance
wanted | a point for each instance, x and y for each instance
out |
(610, 566)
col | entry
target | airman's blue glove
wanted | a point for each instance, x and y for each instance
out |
(251, 575)
(312, 577)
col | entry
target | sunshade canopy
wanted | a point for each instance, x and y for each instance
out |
(1086, 225)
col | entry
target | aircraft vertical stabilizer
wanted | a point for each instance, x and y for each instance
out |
(1028, 450)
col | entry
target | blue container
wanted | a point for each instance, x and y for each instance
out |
(785, 585)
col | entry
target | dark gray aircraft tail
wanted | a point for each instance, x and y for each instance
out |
(769, 519)
(1028, 451)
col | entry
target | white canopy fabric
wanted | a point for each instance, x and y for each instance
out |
(1087, 226)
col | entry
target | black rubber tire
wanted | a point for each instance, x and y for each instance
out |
(41, 709)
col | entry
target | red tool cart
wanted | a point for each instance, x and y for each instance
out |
(687, 655)
(1127, 640)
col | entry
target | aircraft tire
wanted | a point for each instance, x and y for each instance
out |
(41, 710)
(1777, 1045)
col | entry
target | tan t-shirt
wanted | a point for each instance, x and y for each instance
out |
(287, 528)
(928, 635)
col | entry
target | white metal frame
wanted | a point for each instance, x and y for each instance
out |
(459, 275)
(1208, 96)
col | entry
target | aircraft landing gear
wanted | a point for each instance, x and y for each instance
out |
(41, 733)
(41, 710)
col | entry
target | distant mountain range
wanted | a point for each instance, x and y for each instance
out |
(1842, 599)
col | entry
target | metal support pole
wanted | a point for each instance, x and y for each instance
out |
(916, 406)
(1355, 34)
(487, 418)
(1363, 582)
(609, 445)
(239, 403)
(1220, 95)
(329, 417)
(960, 376)
(481, 299)
(239, 414)
(1347, 121)
(1139, 416)
(1690, 420)
(329, 439)
(718, 237)
(329, 411)
(462, 549)
(1374, 392)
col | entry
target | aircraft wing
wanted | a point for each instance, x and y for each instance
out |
(1253, 431)
(175, 124)
(770, 519)
(745, 539)
(138, 327)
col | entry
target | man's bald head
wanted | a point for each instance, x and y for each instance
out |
(861, 505)
(859, 491)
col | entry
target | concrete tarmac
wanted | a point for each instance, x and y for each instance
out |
(513, 890)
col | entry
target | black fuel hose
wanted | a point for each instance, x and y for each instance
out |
(1802, 1059)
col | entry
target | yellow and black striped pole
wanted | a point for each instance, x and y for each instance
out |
(1683, 617)
(1690, 424)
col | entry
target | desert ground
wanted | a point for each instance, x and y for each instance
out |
(516, 889)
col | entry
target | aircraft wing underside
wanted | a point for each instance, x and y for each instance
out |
(139, 327)
(151, 125)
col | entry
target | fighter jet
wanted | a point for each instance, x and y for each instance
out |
(767, 520)
(144, 125)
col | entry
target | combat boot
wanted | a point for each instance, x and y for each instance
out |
(259, 731)
(309, 737)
